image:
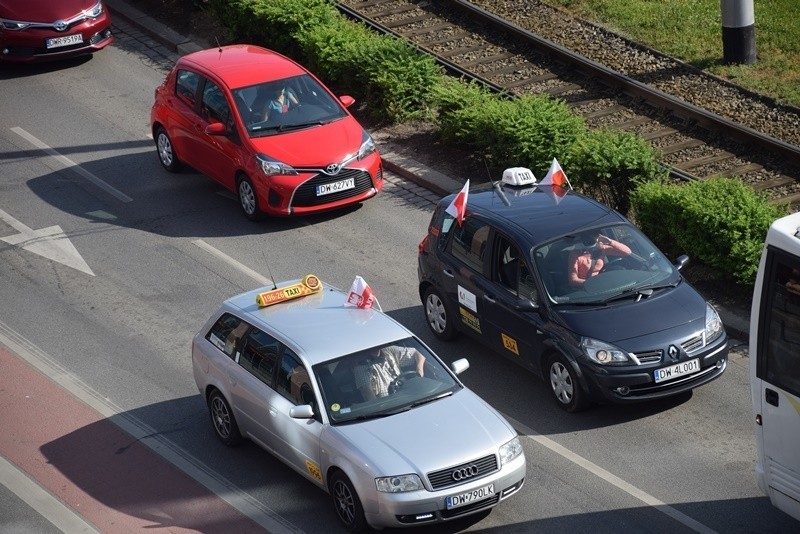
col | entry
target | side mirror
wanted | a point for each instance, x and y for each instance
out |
(216, 128)
(526, 305)
(304, 411)
(681, 261)
(347, 100)
(459, 366)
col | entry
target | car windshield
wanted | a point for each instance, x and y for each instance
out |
(288, 104)
(603, 265)
(382, 381)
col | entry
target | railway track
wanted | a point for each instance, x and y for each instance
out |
(695, 143)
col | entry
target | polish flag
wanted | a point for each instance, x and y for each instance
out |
(458, 207)
(557, 179)
(360, 295)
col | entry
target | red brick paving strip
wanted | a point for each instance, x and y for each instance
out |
(99, 471)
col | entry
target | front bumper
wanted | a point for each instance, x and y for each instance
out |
(28, 46)
(425, 507)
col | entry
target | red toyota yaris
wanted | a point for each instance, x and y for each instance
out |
(266, 128)
(40, 30)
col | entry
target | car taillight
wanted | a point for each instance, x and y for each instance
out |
(423, 244)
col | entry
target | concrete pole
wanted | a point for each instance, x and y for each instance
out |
(738, 31)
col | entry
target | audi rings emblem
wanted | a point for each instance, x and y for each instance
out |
(60, 25)
(333, 168)
(463, 473)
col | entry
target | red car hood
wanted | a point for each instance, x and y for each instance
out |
(313, 147)
(42, 10)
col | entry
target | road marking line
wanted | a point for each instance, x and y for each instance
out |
(226, 490)
(261, 279)
(611, 478)
(69, 164)
(49, 507)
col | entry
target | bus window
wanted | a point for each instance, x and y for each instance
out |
(775, 365)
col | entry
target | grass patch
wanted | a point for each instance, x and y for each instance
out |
(691, 30)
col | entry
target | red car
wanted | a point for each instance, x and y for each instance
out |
(41, 30)
(266, 128)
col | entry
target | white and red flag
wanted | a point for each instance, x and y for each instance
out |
(557, 180)
(458, 207)
(360, 295)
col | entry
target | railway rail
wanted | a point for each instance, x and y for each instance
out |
(695, 143)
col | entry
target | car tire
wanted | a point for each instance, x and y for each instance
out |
(166, 151)
(437, 315)
(347, 504)
(222, 419)
(564, 385)
(248, 199)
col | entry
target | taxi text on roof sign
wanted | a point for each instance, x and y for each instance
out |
(308, 286)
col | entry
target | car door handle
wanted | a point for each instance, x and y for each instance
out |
(448, 273)
(771, 396)
(272, 411)
(489, 297)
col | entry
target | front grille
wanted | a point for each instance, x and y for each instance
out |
(306, 195)
(444, 478)
(651, 356)
(693, 344)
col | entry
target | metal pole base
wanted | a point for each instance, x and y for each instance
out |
(739, 45)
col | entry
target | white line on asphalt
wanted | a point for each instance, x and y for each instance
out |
(226, 490)
(261, 279)
(612, 479)
(49, 507)
(68, 163)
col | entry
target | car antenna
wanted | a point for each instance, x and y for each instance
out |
(218, 45)
(496, 186)
(274, 284)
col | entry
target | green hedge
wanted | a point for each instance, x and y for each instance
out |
(720, 221)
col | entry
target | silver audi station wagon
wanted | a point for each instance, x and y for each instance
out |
(356, 403)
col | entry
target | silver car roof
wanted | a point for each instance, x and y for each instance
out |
(318, 327)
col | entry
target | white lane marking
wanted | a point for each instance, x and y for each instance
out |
(41, 501)
(261, 279)
(69, 164)
(50, 242)
(611, 478)
(226, 490)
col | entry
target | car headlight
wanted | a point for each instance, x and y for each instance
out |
(713, 324)
(272, 167)
(95, 11)
(604, 353)
(398, 484)
(510, 450)
(367, 146)
(13, 25)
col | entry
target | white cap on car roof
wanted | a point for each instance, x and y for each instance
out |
(519, 176)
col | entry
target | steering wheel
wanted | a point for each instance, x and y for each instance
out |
(611, 263)
(400, 381)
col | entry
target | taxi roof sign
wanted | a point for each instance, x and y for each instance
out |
(519, 176)
(309, 285)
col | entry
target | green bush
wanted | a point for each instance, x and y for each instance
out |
(607, 164)
(720, 221)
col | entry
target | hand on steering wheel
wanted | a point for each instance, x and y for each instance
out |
(400, 381)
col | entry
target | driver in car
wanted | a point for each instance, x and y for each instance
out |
(384, 366)
(590, 260)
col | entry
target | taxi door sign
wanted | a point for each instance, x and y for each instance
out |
(510, 343)
(313, 470)
(309, 285)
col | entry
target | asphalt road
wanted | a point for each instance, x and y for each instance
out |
(109, 265)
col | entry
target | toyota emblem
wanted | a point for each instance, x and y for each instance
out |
(463, 473)
(60, 25)
(333, 168)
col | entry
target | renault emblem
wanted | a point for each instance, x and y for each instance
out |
(60, 25)
(673, 352)
(333, 168)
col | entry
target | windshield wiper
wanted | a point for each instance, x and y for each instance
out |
(431, 399)
(639, 292)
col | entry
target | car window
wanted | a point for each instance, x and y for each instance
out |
(293, 380)
(511, 271)
(782, 362)
(260, 355)
(227, 333)
(214, 107)
(469, 242)
(186, 86)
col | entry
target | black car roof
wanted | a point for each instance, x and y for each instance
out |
(532, 213)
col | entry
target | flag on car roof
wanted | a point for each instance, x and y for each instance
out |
(458, 207)
(360, 295)
(557, 180)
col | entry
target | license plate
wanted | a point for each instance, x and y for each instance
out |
(674, 371)
(341, 185)
(67, 40)
(477, 494)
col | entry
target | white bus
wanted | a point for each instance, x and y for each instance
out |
(775, 365)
